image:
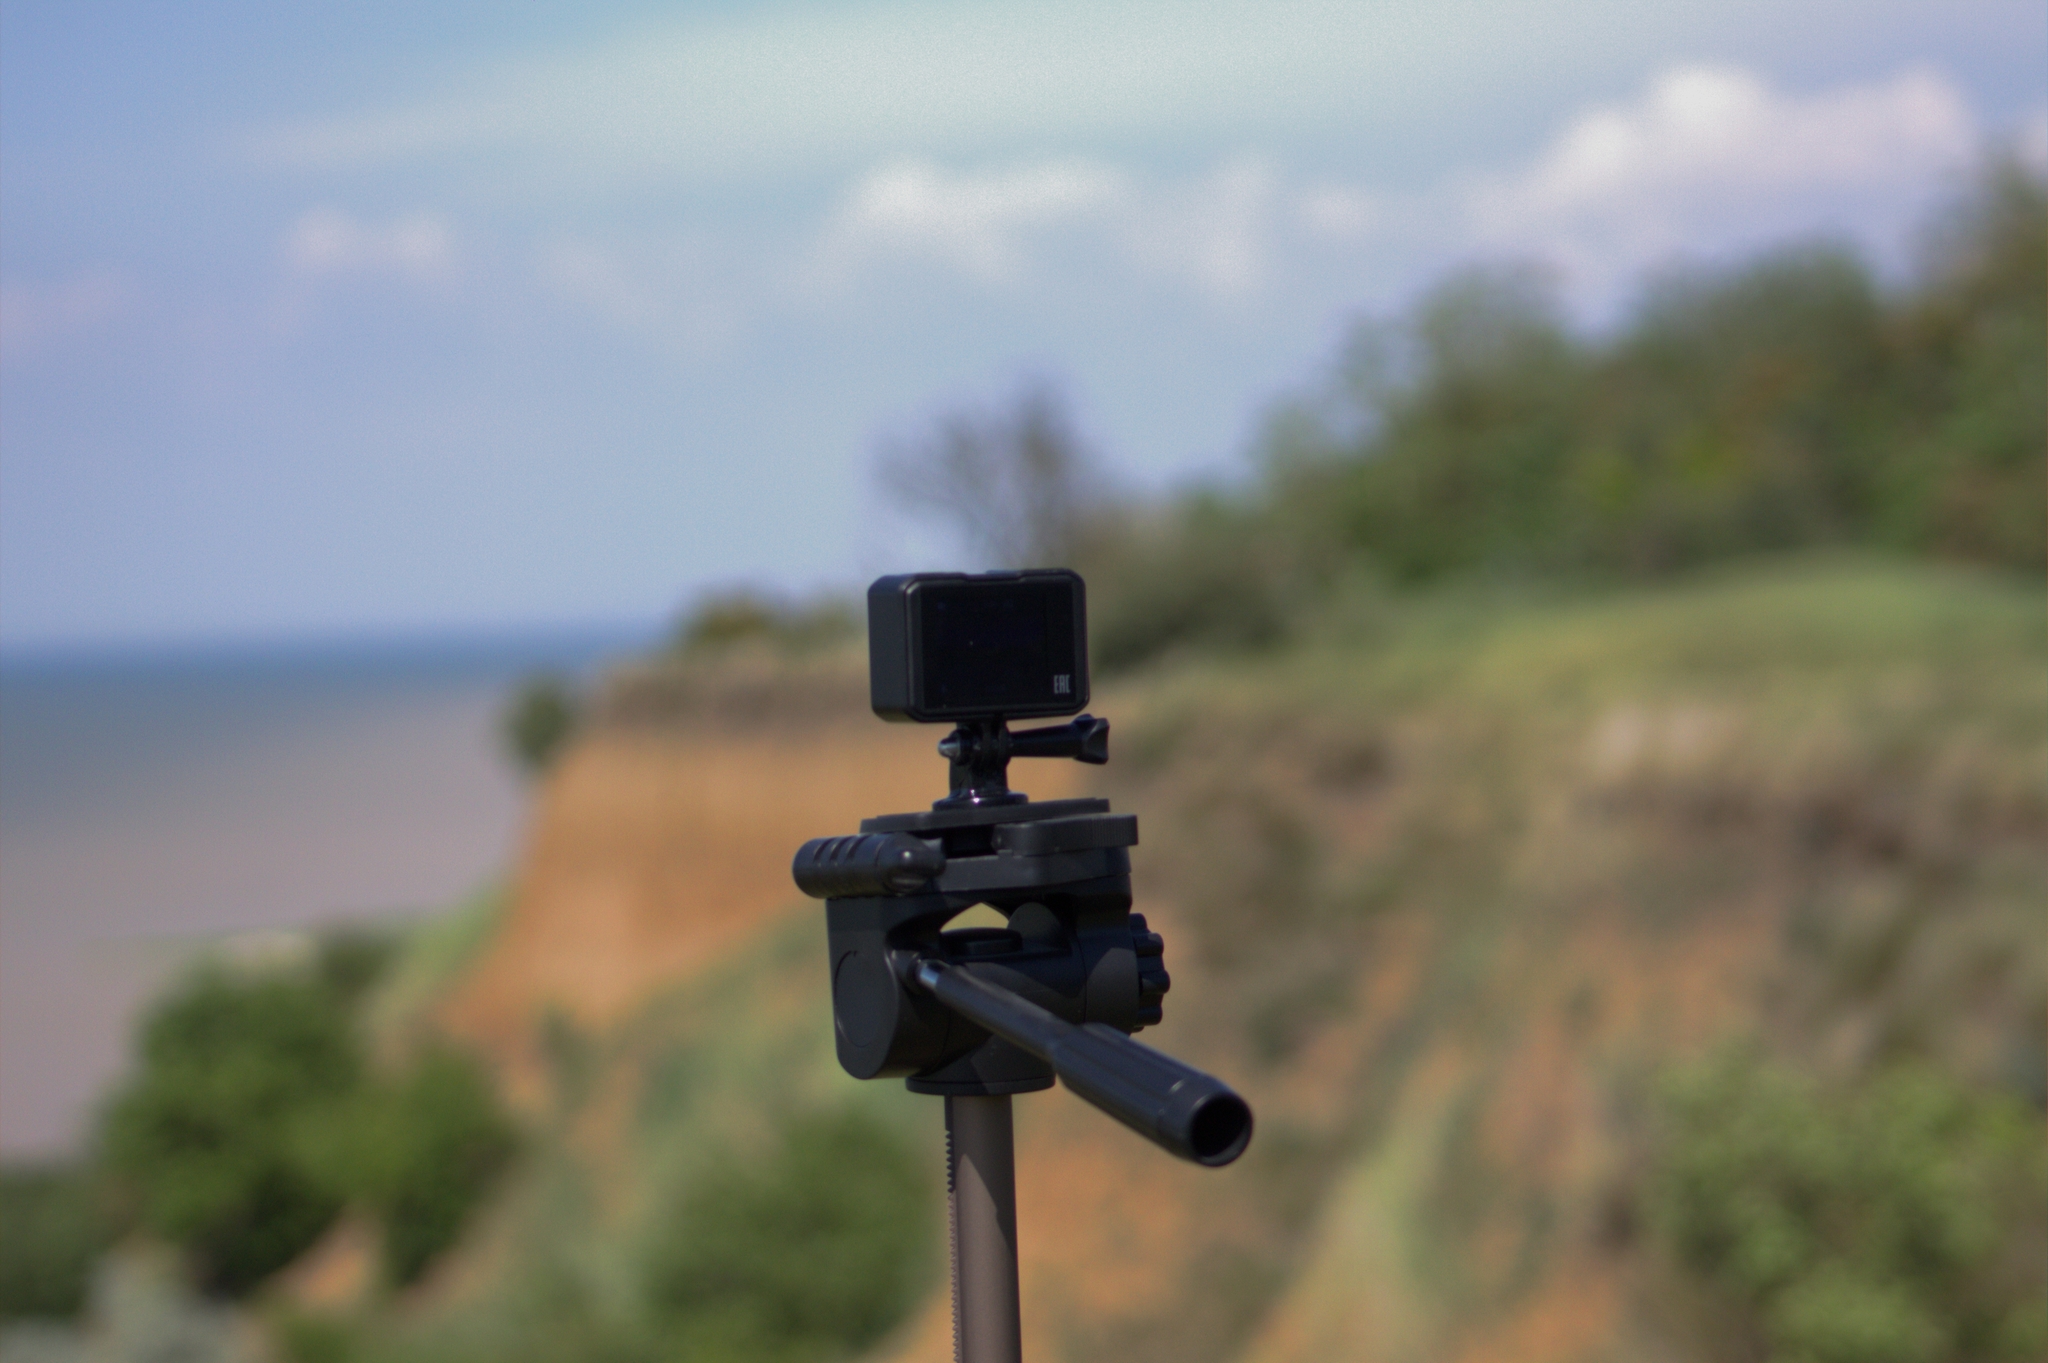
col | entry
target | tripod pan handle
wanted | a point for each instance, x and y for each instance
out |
(1187, 1112)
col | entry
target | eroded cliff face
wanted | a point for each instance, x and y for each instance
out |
(1443, 910)
(662, 839)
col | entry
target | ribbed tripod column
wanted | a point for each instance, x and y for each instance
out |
(981, 1188)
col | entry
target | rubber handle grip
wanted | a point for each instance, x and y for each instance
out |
(1189, 1113)
(866, 864)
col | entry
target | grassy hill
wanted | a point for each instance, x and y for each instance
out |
(1474, 884)
(1463, 890)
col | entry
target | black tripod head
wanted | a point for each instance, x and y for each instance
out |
(1059, 988)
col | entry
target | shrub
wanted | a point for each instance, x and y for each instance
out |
(52, 1228)
(419, 1152)
(209, 1140)
(351, 960)
(813, 1252)
(1212, 577)
(254, 1119)
(539, 720)
(1900, 1221)
(725, 620)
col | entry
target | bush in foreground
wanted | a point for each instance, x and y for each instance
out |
(814, 1252)
(210, 1139)
(1900, 1221)
(254, 1118)
(52, 1228)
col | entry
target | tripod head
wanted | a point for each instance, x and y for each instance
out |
(1057, 990)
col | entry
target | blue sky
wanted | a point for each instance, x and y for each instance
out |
(321, 319)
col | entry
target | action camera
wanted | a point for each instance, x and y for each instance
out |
(950, 647)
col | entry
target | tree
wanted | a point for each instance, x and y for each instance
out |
(1014, 483)
(254, 1117)
(418, 1151)
(210, 1139)
(542, 715)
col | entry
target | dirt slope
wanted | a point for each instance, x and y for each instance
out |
(663, 838)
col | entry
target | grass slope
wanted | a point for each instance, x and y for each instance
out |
(1467, 877)
(1449, 888)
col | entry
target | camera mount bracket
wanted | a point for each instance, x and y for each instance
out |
(980, 751)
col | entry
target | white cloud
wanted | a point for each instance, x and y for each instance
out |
(1339, 211)
(1712, 159)
(975, 222)
(660, 292)
(1705, 163)
(1716, 130)
(33, 315)
(1216, 232)
(326, 242)
(1019, 223)
(830, 87)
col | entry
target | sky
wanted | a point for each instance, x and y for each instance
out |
(374, 318)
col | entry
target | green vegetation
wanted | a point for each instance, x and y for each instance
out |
(814, 1252)
(210, 1138)
(418, 1151)
(1900, 1221)
(723, 621)
(255, 1117)
(1786, 404)
(756, 1204)
(538, 721)
(1474, 863)
(52, 1227)
(434, 953)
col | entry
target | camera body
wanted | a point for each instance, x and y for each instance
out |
(957, 647)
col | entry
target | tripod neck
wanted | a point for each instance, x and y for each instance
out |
(980, 751)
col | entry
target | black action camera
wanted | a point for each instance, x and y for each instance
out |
(948, 647)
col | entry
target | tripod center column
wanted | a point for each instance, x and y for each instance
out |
(981, 1185)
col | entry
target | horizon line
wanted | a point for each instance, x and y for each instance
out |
(340, 643)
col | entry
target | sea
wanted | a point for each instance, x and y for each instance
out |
(158, 805)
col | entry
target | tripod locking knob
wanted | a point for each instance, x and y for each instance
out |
(1153, 981)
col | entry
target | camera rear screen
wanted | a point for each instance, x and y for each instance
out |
(992, 647)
